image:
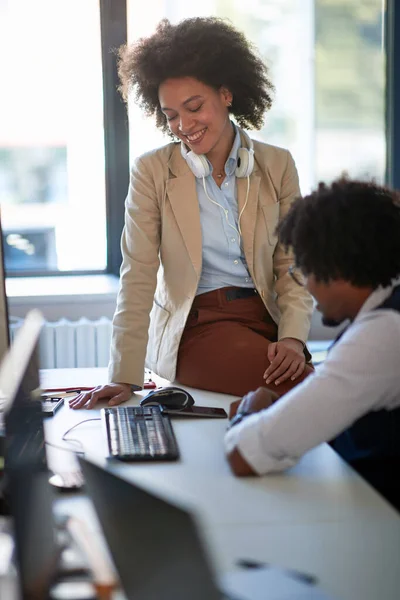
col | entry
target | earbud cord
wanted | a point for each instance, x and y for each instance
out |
(238, 231)
(217, 204)
(245, 203)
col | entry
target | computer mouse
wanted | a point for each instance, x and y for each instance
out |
(173, 398)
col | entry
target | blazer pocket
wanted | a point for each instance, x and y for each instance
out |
(159, 317)
(271, 216)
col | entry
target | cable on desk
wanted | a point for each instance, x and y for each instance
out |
(64, 438)
(77, 425)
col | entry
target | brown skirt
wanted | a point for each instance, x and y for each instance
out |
(225, 342)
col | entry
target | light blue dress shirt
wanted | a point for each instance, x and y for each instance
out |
(224, 263)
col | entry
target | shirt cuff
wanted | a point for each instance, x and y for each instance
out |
(247, 438)
(298, 330)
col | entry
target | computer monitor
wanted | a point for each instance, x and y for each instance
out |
(26, 477)
(21, 418)
(4, 321)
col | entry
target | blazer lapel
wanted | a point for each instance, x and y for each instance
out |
(181, 192)
(249, 215)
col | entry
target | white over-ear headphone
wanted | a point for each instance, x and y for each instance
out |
(200, 167)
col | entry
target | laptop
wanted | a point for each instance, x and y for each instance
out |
(152, 542)
(158, 553)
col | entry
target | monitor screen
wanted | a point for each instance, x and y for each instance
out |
(27, 488)
(4, 324)
(21, 409)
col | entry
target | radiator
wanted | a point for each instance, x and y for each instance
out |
(70, 344)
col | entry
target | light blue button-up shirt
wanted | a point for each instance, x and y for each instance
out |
(224, 263)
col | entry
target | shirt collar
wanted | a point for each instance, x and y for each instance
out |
(231, 161)
(376, 298)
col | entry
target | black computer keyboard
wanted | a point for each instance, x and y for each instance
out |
(137, 433)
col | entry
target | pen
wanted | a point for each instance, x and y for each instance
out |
(256, 564)
(147, 385)
(69, 390)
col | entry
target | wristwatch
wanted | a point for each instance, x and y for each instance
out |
(238, 418)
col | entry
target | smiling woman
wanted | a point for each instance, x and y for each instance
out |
(200, 121)
(205, 294)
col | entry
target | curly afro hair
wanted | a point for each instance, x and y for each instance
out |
(208, 49)
(349, 230)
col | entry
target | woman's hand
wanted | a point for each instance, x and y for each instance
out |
(116, 393)
(287, 361)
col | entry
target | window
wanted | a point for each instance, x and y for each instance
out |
(330, 89)
(52, 171)
(350, 89)
(326, 61)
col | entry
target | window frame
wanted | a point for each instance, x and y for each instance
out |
(392, 47)
(113, 25)
(114, 33)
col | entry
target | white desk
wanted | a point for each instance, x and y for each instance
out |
(319, 517)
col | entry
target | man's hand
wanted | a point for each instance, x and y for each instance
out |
(253, 401)
(116, 393)
(287, 361)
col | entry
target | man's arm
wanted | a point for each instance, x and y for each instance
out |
(251, 403)
(359, 375)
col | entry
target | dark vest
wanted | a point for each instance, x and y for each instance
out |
(372, 444)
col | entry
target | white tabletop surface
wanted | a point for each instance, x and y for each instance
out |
(319, 517)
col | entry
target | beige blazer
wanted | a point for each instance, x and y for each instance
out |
(162, 255)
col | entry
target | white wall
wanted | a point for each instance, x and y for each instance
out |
(91, 296)
(319, 331)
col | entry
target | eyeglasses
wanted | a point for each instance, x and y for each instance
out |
(297, 275)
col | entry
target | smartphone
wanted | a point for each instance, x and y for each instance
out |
(51, 406)
(197, 411)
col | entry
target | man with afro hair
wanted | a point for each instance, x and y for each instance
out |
(346, 243)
